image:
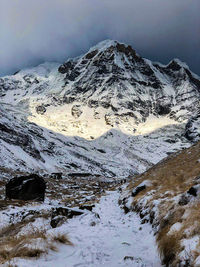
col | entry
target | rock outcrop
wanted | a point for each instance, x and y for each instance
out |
(30, 187)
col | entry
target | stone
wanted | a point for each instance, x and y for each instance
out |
(60, 214)
(76, 111)
(57, 220)
(40, 109)
(93, 223)
(30, 187)
(138, 189)
(192, 191)
(87, 207)
(184, 200)
(163, 109)
(56, 175)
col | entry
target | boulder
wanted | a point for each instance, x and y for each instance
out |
(184, 200)
(60, 214)
(40, 109)
(30, 187)
(76, 111)
(141, 187)
(192, 191)
(57, 221)
(137, 190)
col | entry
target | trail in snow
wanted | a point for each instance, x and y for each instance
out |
(114, 240)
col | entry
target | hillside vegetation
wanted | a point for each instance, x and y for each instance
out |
(168, 195)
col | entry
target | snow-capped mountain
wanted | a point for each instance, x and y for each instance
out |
(108, 112)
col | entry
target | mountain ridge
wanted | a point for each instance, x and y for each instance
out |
(109, 98)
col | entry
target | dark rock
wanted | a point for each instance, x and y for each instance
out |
(137, 190)
(151, 216)
(195, 81)
(60, 214)
(91, 54)
(79, 174)
(96, 215)
(4, 128)
(105, 104)
(93, 223)
(129, 258)
(171, 141)
(65, 67)
(40, 109)
(87, 207)
(108, 120)
(184, 200)
(101, 150)
(56, 175)
(156, 84)
(16, 72)
(192, 128)
(67, 212)
(72, 75)
(126, 209)
(93, 103)
(174, 66)
(128, 50)
(163, 110)
(30, 187)
(76, 111)
(192, 191)
(73, 165)
(57, 220)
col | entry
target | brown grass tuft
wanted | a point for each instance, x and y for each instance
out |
(63, 239)
(168, 247)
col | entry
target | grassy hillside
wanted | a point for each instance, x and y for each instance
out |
(168, 196)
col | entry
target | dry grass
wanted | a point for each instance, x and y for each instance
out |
(168, 246)
(30, 245)
(171, 178)
(19, 246)
(63, 239)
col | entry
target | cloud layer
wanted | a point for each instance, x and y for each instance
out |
(34, 31)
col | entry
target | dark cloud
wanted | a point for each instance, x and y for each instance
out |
(34, 31)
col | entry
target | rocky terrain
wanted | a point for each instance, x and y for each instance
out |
(89, 127)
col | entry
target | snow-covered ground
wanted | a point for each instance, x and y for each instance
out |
(114, 239)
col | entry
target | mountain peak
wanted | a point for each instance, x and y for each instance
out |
(176, 64)
(103, 45)
(112, 45)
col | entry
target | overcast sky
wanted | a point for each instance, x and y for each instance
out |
(34, 31)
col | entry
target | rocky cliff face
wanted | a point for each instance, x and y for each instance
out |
(192, 129)
(109, 112)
